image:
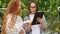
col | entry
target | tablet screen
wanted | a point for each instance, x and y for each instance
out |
(38, 14)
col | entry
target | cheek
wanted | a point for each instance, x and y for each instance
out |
(19, 8)
(33, 10)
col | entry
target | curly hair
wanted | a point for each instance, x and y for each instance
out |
(11, 9)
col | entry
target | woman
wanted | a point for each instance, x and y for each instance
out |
(12, 23)
(32, 10)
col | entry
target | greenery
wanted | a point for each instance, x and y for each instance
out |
(49, 7)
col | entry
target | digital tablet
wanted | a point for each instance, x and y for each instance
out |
(38, 14)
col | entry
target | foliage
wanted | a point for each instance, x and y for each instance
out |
(49, 7)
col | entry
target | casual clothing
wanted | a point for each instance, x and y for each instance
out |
(30, 17)
(17, 27)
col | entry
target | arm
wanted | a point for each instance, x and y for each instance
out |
(42, 22)
(27, 26)
(22, 31)
(43, 26)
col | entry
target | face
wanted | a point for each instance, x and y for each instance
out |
(33, 8)
(19, 8)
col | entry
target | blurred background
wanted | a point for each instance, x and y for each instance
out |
(49, 7)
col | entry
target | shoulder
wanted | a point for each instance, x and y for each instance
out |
(26, 18)
(9, 15)
(19, 17)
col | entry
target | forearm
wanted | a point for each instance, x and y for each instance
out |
(29, 27)
(43, 26)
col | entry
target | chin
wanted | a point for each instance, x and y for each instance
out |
(34, 13)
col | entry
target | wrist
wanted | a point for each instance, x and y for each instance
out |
(41, 22)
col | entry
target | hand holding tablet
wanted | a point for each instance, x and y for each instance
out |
(38, 18)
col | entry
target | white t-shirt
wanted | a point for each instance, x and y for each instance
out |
(31, 17)
(35, 28)
(17, 27)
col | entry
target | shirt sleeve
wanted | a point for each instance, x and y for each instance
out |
(19, 23)
(25, 25)
(44, 21)
(26, 18)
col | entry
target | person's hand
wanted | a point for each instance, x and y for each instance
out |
(22, 31)
(40, 20)
(43, 26)
(27, 22)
